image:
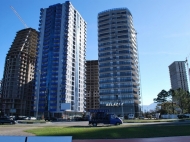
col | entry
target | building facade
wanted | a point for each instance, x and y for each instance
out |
(1, 105)
(92, 85)
(119, 83)
(18, 78)
(178, 75)
(60, 70)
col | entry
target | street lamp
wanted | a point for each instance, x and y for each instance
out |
(38, 94)
(121, 105)
(122, 109)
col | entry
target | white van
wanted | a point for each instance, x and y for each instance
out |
(131, 116)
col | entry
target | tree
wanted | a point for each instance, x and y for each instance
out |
(157, 109)
(171, 93)
(165, 100)
(182, 99)
(173, 99)
(161, 97)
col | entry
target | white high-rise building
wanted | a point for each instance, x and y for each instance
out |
(119, 83)
(60, 69)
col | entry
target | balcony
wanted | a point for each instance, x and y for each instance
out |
(42, 94)
(53, 99)
(52, 109)
(54, 73)
(56, 59)
(62, 98)
(54, 83)
(41, 99)
(42, 89)
(54, 78)
(41, 110)
(55, 64)
(43, 85)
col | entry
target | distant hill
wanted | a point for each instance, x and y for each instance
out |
(149, 107)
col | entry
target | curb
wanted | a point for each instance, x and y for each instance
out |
(22, 122)
(160, 121)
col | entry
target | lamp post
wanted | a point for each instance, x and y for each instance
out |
(121, 105)
(38, 94)
(122, 109)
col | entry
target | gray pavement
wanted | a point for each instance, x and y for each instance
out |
(15, 131)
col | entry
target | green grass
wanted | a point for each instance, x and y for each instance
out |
(149, 120)
(113, 132)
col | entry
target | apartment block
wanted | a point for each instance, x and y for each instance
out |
(178, 75)
(18, 84)
(60, 69)
(119, 83)
(92, 85)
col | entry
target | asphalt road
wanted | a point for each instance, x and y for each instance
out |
(18, 129)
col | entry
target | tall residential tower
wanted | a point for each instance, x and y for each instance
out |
(92, 85)
(119, 82)
(178, 75)
(60, 70)
(18, 84)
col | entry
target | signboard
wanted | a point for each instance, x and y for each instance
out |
(114, 104)
(65, 106)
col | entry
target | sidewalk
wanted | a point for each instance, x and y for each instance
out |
(161, 139)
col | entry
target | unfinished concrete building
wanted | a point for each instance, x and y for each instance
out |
(18, 84)
(92, 87)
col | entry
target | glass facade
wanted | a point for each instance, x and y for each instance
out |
(119, 83)
(60, 69)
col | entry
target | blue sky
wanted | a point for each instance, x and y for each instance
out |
(163, 28)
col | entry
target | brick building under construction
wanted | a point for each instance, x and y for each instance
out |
(18, 77)
(92, 85)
